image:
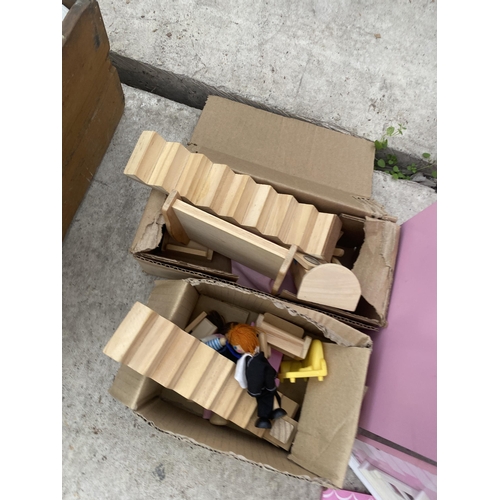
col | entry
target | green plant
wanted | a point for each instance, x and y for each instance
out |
(390, 163)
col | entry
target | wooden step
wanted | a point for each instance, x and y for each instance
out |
(236, 198)
(154, 347)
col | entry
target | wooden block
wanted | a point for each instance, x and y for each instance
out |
(145, 156)
(180, 362)
(289, 405)
(207, 190)
(243, 410)
(288, 221)
(189, 328)
(259, 208)
(169, 167)
(174, 226)
(283, 341)
(244, 202)
(324, 236)
(229, 396)
(170, 368)
(241, 193)
(196, 167)
(217, 420)
(192, 248)
(203, 329)
(300, 231)
(148, 354)
(263, 345)
(224, 190)
(237, 198)
(195, 369)
(130, 332)
(282, 324)
(212, 381)
(282, 433)
(234, 242)
(267, 212)
(281, 212)
(328, 284)
(285, 266)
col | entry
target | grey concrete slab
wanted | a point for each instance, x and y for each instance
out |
(357, 66)
(107, 451)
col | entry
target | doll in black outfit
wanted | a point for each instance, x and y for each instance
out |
(253, 371)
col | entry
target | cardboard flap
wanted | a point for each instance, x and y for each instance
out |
(149, 232)
(314, 321)
(286, 145)
(329, 418)
(375, 265)
(328, 169)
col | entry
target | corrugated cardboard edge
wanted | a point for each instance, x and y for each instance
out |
(323, 445)
(376, 263)
(145, 398)
(331, 328)
(149, 232)
(313, 479)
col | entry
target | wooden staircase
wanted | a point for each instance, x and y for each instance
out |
(236, 198)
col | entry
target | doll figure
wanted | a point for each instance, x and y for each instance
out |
(255, 374)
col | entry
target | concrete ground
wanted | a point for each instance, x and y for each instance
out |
(357, 66)
(336, 69)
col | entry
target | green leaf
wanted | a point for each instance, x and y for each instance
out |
(426, 155)
(394, 176)
(395, 168)
(391, 162)
(434, 174)
(381, 163)
(380, 145)
(390, 131)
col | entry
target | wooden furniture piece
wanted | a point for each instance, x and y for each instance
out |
(185, 222)
(156, 348)
(236, 198)
(327, 284)
(279, 338)
(313, 366)
(92, 101)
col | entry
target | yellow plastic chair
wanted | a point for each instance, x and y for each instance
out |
(314, 365)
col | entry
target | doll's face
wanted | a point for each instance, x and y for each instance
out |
(238, 349)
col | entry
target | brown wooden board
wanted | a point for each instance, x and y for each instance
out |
(92, 102)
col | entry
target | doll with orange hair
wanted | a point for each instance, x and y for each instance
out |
(239, 342)
(254, 373)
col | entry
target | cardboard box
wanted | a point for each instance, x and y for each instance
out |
(92, 101)
(329, 409)
(318, 166)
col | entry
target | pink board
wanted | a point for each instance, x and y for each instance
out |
(344, 495)
(401, 402)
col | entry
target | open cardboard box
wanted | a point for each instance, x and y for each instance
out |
(328, 169)
(329, 409)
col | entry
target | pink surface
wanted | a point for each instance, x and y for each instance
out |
(251, 279)
(344, 495)
(418, 475)
(401, 402)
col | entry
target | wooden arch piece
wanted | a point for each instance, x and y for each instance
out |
(330, 285)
